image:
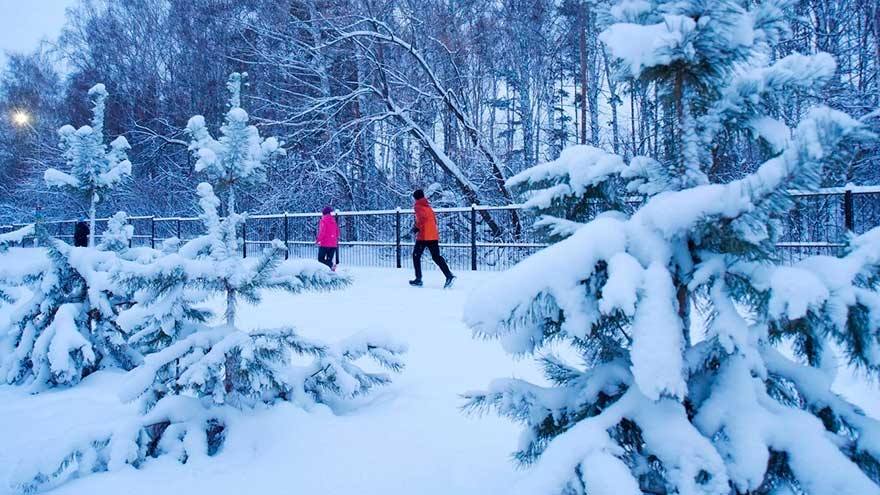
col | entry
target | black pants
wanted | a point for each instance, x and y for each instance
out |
(325, 255)
(434, 249)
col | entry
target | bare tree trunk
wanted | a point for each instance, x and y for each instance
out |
(593, 76)
(455, 106)
(582, 48)
(93, 207)
(323, 70)
(526, 117)
(632, 117)
(876, 25)
(435, 150)
(613, 100)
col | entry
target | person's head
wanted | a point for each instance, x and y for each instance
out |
(418, 194)
(327, 210)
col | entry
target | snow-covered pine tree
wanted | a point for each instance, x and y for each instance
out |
(237, 158)
(196, 374)
(66, 328)
(118, 235)
(223, 364)
(742, 404)
(95, 168)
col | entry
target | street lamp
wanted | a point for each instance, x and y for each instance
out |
(21, 118)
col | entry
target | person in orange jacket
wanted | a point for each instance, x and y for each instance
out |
(427, 236)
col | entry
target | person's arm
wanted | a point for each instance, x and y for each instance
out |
(417, 222)
(320, 228)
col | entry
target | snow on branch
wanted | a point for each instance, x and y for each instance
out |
(16, 237)
(714, 413)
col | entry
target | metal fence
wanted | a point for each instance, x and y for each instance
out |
(819, 224)
(822, 220)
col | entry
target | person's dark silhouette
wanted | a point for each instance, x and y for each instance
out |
(81, 234)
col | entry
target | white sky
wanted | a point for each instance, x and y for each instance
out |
(23, 23)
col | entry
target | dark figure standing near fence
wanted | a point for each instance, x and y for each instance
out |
(81, 234)
(427, 236)
(328, 238)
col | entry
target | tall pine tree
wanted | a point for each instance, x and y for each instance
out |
(742, 404)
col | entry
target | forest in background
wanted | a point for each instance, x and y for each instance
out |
(373, 98)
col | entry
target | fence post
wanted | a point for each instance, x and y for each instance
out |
(178, 229)
(244, 238)
(38, 220)
(397, 236)
(339, 240)
(848, 220)
(286, 237)
(474, 237)
(153, 232)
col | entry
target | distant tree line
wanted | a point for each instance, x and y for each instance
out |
(375, 97)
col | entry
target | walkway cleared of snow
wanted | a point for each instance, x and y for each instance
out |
(410, 438)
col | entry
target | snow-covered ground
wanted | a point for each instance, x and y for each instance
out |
(410, 438)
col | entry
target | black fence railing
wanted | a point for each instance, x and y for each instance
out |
(485, 237)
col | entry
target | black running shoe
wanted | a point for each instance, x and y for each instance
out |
(449, 282)
(416, 283)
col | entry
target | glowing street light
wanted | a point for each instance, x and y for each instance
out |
(21, 118)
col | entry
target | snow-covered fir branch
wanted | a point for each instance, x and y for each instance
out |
(660, 404)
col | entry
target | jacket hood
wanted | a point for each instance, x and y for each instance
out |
(422, 202)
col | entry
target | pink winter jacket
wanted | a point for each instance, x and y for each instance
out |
(328, 232)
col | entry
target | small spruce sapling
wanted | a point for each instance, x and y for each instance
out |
(94, 168)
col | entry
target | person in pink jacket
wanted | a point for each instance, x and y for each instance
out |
(328, 238)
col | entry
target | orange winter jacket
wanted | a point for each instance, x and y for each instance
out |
(426, 222)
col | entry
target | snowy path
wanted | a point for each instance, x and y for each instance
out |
(412, 438)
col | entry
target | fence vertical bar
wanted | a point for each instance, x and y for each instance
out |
(474, 237)
(38, 220)
(153, 232)
(244, 238)
(178, 229)
(339, 240)
(848, 220)
(397, 236)
(286, 237)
